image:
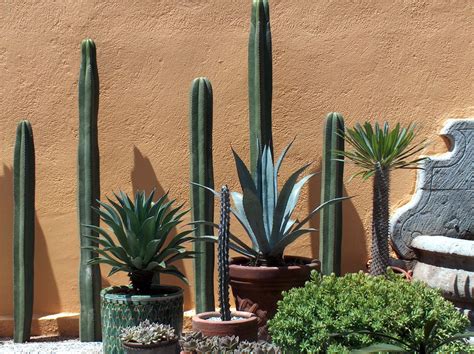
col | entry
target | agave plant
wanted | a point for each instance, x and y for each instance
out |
(266, 213)
(144, 246)
(377, 151)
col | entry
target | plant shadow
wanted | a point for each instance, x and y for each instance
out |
(354, 250)
(46, 295)
(144, 178)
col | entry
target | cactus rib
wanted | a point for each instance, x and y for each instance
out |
(260, 81)
(223, 255)
(88, 192)
(202, 202)
(332, 187)
(24, 231)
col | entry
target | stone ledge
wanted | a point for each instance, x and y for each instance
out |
(443, 244)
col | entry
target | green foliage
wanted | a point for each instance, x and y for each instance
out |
(23, 231)
(147, 333)
(144, 245)
(200, 144)
(88, 176)
(382, 147)
(308, 318)
(330, 240)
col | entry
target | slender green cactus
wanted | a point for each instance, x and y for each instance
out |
(331, 187)
(260, 81)
(24, 231)
(200, 121)
(223, 255)
(88, 192)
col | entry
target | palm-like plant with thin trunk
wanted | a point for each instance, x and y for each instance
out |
(377, 151)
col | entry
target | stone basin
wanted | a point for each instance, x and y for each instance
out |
(447, 264)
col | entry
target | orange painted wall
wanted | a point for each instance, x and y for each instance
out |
(377, 60)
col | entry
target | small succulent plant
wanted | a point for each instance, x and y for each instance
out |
(148, 333)
(260, 347)
(195, 342)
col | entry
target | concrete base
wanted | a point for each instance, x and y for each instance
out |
(63, 324)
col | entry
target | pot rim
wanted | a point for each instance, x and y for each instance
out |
(234, 262)
(151, 345)
(112, 293)
(203, 318)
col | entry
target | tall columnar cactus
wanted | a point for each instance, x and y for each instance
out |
(88, 192)
(260, 81)
(331, 187)
(24, 231)
(202, 202)
(223, 255)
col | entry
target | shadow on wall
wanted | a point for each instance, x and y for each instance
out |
(354, 250)
(143, 177)
(46, 296)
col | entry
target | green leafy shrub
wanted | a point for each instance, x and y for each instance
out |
(308, 317)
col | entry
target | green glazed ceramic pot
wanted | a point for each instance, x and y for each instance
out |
(120, 309)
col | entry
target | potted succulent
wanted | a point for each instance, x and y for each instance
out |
(144, 248)
(149, 338)
(225, 323)
(266, 215)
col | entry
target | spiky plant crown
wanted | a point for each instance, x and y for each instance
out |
(145, 245)
(382, 148)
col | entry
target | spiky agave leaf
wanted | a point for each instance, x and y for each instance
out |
(143, 242)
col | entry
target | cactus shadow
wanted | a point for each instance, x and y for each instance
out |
(143, 177)
(6, 241)
(46, 299)
(46, 295)
(354, 249)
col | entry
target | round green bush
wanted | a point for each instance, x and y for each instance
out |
(308, 316)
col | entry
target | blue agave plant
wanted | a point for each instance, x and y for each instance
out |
(265, 212)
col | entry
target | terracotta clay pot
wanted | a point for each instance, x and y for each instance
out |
(245, 328)
(258, 289)
(170, 347)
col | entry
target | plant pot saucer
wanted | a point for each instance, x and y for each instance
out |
(245, 327)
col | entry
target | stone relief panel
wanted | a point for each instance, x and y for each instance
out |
(443, 204)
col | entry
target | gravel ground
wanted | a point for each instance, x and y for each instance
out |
(50, 345)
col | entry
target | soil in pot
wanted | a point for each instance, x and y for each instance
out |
(243, 325)
(121, 308)
(258, 289)
(170, 347)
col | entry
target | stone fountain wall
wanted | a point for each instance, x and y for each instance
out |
(436, 228)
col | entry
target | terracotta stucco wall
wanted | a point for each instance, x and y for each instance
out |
(378, 60)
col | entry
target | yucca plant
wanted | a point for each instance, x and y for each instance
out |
(378, 150)
(266, 213)
(144, 245)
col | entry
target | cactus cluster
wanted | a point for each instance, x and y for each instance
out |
(88, 193)
(332, 187)
(200, 122)
(24, 231)
(223, 255)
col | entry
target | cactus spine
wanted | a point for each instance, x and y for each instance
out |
(24, 231)
(88, 192)
(260, 81)
(223, 255)
(200, 121)
(331, 187)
